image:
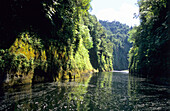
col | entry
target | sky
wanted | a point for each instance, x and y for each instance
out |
(116, 10)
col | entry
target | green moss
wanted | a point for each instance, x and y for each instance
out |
(51, 47)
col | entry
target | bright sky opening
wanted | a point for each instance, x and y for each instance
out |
(116, 10)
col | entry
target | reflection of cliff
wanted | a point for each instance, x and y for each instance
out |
(109, 91)
(55, 96)
(132, 89)
(101, 97)
(147, 95)
(78, 92)
(10, 99)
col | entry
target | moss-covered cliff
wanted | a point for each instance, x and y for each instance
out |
(150, 54)
(48, 40)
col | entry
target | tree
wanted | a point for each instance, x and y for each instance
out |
(150, 53)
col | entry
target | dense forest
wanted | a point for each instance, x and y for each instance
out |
(150, 54)
(100, 55)
(59, 39)
(117, 36)
(50, 40)
(56, 55)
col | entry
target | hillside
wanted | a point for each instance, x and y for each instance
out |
(117, 34)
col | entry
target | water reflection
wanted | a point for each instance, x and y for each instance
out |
(100, 91)
(147, 95)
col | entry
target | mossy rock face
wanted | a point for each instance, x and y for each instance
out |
(38, 79)
(70, 75)
(12, 80)
(55, 50)
(77, 76)
(65, 75)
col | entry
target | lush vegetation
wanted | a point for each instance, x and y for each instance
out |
(117, 39)
(150, 54)
(100, 50)
(50, 40)
(60, 39)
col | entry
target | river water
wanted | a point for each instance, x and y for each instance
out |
(107, 91)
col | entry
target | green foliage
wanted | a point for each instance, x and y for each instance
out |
(51, 40)
(15, 64)
(117, 43)
(100, 56)
(150, 52)
(87, 40)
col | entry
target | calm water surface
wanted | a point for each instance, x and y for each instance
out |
(108, 91)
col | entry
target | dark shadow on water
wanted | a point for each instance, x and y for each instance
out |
(98, 91)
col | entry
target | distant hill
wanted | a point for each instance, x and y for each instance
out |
(117, 33)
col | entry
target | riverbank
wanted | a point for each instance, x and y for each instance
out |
(13, 80)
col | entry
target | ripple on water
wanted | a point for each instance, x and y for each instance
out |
(102, 91)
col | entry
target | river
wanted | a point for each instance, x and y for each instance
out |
(106, 91)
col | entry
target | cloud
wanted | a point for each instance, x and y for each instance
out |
(125, 14)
